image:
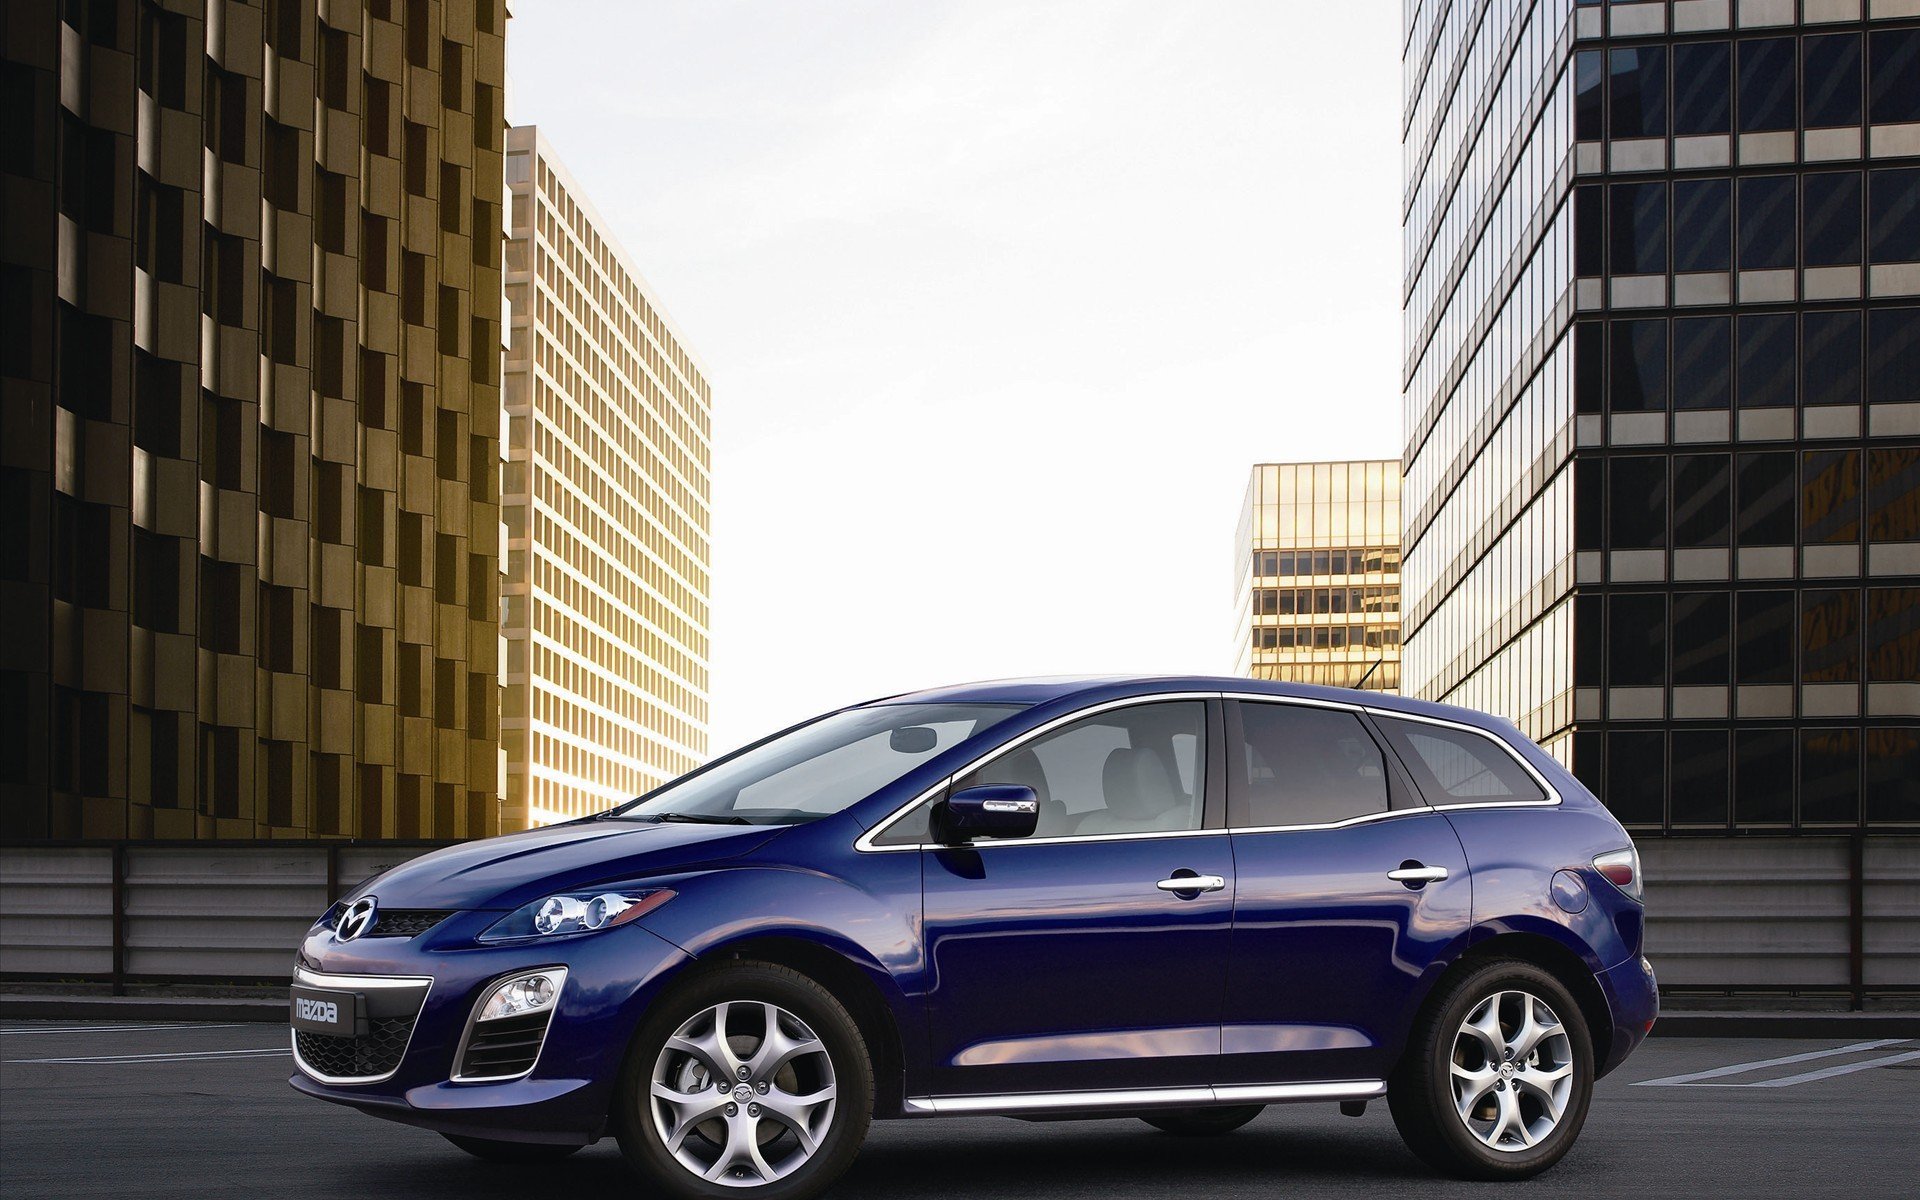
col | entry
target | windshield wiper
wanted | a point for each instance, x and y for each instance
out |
(696, 818)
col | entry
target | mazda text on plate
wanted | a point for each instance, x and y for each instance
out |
(1176, 899)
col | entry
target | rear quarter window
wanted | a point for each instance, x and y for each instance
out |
(1451, 765)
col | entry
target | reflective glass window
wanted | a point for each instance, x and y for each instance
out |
(1636, 777)
(1831, 72)
(1636, 640)
(1763, 646)
(1637, 92)
(1589, 640)
(1638, 490)
(1829, 496)
(1830, 636)
(1830, 776)
(1764, 498)
(1893, 634)
(1639, 367)
(1589, 95)
(1703, 224)
(1894, 78)
(1589, 504)
(1702, 774)
(1638, 235)
(1703, 362)
(1833, 209)
(1766, 222)
(1892, 774)
(1893, 495)
(1589, 232)
(1766, 84)
(1766, 363)
(1702, 88)
(1702, 499)
(1589, 367)
(1830, 357)
(1763, 776)
(1893, 204)
(1893, 355)
(1702, 633)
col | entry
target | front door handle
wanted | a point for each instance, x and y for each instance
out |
(1414, 876)
(1192, 883)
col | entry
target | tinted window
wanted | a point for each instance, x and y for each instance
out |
(1308, 766)
(1703, 224)
(1766, 84)
(1833, 79)
(1830, 364)
(1702, 87)
(1640, 228)
(1454, 765)
(1131, 770)
(1639, 96)
(1702, 362)
(1639, 365)
(1833, 218)
(1766, 222)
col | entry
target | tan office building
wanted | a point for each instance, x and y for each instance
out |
(249, 347)
(1317, 575)
(607, 512)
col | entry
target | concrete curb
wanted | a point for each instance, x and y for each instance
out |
(43, 1007)
(1788, 1024)
(273, 1010)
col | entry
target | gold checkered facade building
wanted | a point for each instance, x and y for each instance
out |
(250, 346)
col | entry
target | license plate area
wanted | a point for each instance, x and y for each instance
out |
(327, 1012)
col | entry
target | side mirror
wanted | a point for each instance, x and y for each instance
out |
(992, 810)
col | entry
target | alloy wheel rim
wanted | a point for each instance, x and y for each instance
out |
(1511, 1071)
(742, 1094)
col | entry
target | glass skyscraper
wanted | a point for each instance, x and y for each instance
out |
(1317, 575)
(607, 507)
(1662, 397)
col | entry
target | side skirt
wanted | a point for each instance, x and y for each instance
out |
(1142, 1099)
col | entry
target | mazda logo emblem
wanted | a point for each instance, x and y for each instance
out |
(357, 919)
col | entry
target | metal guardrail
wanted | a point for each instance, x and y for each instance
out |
(1830, 916)
(214, 912)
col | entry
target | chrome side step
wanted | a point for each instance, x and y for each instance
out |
(1139, 1099)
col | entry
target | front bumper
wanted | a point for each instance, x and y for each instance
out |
(611, 978)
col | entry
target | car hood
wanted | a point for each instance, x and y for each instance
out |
(519, 868)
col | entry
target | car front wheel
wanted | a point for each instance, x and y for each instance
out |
(750, 1079)
(1496, 1079)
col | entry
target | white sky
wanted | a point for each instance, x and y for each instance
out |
(999, 302)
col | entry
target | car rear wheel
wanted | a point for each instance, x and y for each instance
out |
(1203, 1122)
(750, 1079)
(1496, 1079)
(511, 1152)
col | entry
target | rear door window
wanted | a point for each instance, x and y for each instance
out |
(1301, 765)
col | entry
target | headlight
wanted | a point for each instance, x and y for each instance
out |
(576, 912)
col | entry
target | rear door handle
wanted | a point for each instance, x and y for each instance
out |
(1192, 883)
(1413, 875)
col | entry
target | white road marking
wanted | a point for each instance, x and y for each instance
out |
(1843, 1069)
(126, 1028)
(176, 1056)
(1786, 1060)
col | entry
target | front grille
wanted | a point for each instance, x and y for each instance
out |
(372, 1056)
(405, 922)
(504, 1046)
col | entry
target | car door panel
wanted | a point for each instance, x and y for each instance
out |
(1064, 966)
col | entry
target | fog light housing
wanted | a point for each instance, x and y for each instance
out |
(532, 992)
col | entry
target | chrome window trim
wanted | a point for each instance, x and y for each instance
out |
(473, 1020)
(1134, 1099)
(865, 842)
(1552, 794)
(349, 983)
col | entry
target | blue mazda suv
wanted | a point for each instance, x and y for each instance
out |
(1176, 899)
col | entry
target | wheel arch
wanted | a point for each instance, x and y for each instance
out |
(1557, 960)
(850, 982)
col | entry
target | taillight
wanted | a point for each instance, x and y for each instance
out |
(1622, 869)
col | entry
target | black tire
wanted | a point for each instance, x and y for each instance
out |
(1203, 1122)
(512, 1152)
(852, 1065)
(1421, 1092)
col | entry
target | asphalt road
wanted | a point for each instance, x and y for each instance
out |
(138, 1110)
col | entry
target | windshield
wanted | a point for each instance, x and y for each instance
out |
(820, 768)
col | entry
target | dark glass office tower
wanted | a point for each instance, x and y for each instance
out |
(1662, 306)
